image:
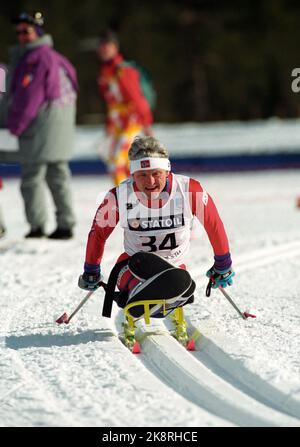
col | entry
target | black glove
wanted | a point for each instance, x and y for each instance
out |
(89, 281)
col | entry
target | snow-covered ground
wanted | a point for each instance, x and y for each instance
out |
(217, 138)
(193, 139)
(243, 372)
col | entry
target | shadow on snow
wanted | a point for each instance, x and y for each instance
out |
(52, 340)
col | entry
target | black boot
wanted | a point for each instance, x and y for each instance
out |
(35, 233)
(61, 233)
(2, 232)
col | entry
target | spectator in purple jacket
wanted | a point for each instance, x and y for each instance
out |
(42, 108)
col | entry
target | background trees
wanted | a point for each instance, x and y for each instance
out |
(209, 60)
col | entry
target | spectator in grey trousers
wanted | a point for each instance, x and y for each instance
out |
(41, 113)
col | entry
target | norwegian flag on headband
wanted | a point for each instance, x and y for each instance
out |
(145, 164)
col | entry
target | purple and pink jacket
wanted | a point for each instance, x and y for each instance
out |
(35, 82)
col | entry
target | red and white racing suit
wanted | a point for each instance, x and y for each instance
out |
(163, 229)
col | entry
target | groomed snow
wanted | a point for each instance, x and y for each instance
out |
(194, 139)
(82, 375)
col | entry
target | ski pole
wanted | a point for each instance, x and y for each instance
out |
(244, 315)
(64, 317)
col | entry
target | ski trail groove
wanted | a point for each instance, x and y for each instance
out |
(204, 384)
(163, 355)
(61, 403)
(148, 363)
(221, 363)
(216, 358)
(28, 378)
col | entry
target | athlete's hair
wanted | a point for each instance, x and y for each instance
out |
(108, 35)
(143, 147)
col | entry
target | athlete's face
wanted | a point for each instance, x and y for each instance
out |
(151, 182)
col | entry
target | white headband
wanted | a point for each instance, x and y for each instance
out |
(144, 164)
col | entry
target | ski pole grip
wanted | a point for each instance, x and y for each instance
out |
(208, 288)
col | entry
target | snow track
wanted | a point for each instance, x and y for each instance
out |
(219, 387)
(218, 361)
(195, 380)
(209, 377)
(222, 364)
(262, 257)
(26, 379)
(243, 373)
(76, 375)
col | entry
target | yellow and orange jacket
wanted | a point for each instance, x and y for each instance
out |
(119, 85)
